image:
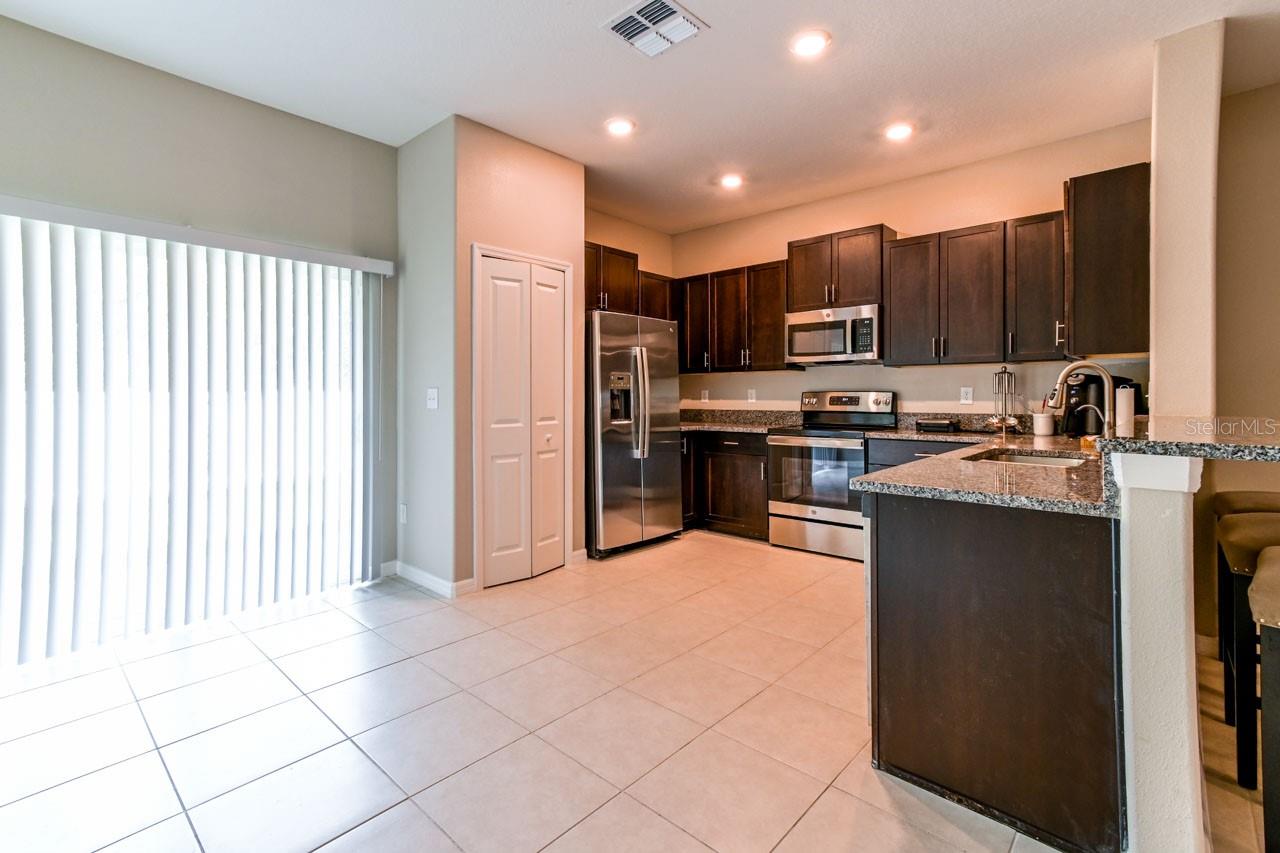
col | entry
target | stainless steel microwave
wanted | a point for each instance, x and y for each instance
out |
(833, 335)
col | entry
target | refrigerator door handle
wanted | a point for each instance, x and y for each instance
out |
(643, 353)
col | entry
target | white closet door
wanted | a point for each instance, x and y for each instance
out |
(547, 384)
(504, 324)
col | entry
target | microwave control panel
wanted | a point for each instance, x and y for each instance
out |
(864, 334)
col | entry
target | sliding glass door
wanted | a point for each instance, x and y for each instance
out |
(184, 433)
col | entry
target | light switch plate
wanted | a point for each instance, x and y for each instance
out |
(966, 395)
(751, 395)
(404, 513)
(706, 395)
(433, 398)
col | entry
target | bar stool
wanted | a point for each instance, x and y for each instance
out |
(1241, 537)
(1264, 600)
(1231, 503)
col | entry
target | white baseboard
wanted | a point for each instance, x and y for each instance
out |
(1206, 646)
(579, 556)
(428, 581)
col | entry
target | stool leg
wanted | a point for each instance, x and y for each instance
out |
(1224, 606)
(1271, 736)
(1245, 657)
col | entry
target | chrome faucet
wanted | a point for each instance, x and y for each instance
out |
(1058, 400)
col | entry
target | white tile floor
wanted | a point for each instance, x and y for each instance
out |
(707, 692)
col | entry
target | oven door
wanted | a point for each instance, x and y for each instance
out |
(809, 478)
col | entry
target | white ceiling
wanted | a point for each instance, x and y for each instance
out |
(977, 77)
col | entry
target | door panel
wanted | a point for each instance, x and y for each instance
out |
(547, 417)
(809, 274)
(504, 414)
(911, 300)
(620, 279)
(971, 294)
(618, 518)
(766, 312)
(736, 493)
(695, 325)
(662, 506)
(858, 258)
(1033, 292)
(655, 296)
(729, 320)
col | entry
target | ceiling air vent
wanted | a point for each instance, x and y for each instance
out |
(655, 26)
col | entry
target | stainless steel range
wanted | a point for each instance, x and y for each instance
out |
(810, 504)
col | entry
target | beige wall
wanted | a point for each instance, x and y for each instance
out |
(88, 129)
(516, 196)
(653, 247)
(1017, 184)
(463, 183)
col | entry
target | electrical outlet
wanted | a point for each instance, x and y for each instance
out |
(751, 395)
(433, 398)
(706, 395)
(966, 395)
(404, 513)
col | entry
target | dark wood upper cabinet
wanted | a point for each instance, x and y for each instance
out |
(1108, 272)
(591, 275)
(655, 296)
(971, 294)
(911, 300)
(620, 280)
(1034, 318)
(694, 295)
(836, 270)
(809, 275)
(766, 309)
(858, 258)
(729, 320)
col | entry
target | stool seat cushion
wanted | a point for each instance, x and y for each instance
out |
(1264, 592)
(1243, 535)
(1226, 503)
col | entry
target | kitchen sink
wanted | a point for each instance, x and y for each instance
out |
(1027, 459)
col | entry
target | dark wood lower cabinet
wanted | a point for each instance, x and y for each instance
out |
(994, 663)
(723, 483)
(736, 497)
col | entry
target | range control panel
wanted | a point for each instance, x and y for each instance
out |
(846, 401)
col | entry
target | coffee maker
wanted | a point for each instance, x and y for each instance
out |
(1082, 414)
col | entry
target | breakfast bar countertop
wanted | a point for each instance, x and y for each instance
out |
(963, 475)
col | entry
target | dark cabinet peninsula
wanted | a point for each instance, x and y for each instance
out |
(994, 656)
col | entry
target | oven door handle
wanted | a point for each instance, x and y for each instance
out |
(802, 441)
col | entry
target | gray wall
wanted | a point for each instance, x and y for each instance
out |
(88, 129)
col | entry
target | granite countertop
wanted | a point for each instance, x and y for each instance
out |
(1086, 489)
(721, 426)
(1246, 439)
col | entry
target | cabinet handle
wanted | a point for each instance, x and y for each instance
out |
(761, 470)
(924, 454)
(1059, 333)
(684, 444)
(826, 292)
(706, 360)
(729, 443)
(748, 358)
(742, 358)
(1011, 343)
(835, 291)
(606, 300)
(933, 347)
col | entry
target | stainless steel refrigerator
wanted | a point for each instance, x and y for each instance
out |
(634, 430)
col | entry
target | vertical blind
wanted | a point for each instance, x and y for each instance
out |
(182, 433)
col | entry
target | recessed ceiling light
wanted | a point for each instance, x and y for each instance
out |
(810, 43)
(619, 126)
(731, 181)
(898, 131)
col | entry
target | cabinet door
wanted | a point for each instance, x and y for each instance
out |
(1033, 296)
(729, 320)
(1108, 268)
(688, 471)
(911, 300)
(591, 289)
(858, 259)
(766, 309)
(620, 276)
(655, 296)
(809, 274)
(736, 493)
(971, 294)
(695, 324)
